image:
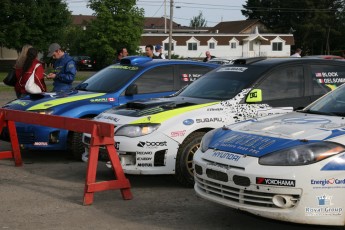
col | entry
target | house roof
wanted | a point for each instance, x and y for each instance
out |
(155, 22)
(81, 20)
(235, 27)
(222, 40)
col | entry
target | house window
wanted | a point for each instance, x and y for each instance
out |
(277, 46)
(166, 46)
(211, 45)
(192, 46)
(233, 45)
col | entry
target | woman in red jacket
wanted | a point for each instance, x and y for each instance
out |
(24, 74)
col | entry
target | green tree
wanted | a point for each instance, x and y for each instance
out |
(198, 21)
(36, 22)
(118, 24)
(317, 25)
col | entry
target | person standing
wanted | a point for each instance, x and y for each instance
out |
(149, 51)
(19, 66)
(297, 53)
(24, 74)
(159, 52)
(208, 56)
(121, 53)
(64, 68)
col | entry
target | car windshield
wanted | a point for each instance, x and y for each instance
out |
(109, 79)
(332, 104)
(223, 83)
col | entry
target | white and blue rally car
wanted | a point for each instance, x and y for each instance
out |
(286, 167)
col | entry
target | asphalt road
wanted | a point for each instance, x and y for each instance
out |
(47, 193)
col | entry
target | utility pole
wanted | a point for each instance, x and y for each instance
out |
(165, 16)
(170, 27)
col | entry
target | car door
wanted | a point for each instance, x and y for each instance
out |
(154, 82)
(284, 86)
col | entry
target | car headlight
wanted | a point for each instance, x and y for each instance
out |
(136, 130)
(42, 111)
(206, 139)
(302, 154)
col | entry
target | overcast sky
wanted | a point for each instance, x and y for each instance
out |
(214, 11)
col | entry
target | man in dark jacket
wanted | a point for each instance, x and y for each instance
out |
(64, 68)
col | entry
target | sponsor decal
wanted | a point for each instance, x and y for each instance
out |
(143, 153)
(188, 122)
(178, 133)
(328, 183)
(107, 117)
(276, 182)
(226, 155)
(323, 208)
(144, 159)
(41, 143)
(144, 164)
(111, 99)
(96, 100)
(247, 143)
(215, 109)
(153, 144)
(124, 67)
(205, 120)
(253, 94)
(232, 69)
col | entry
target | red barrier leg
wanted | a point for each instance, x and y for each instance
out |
(15, 144)
(91, 174)
(123, 182)
(15, 153)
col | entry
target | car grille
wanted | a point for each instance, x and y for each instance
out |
(241, 196)
(23, 137)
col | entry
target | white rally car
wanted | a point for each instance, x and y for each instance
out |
(287, 167)
(160, 136)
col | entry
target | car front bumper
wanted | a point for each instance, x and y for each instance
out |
(150, 154)
(293, 194)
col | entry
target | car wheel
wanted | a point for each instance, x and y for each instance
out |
(75, 145)
(184, 171)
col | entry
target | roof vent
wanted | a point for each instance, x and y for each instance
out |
(244, 61)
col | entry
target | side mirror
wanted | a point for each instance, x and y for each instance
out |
(254, 95)
(131, 90)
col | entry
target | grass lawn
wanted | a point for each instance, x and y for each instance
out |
(81, 76)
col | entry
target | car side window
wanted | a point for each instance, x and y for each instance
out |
(159, 79)
(326, 78)
(283, 83)
(189, 73)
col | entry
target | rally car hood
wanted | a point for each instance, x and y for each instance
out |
(142, 110)
(49, 100)
(266, 135)
(156, 105)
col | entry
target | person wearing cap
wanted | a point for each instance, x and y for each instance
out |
(64, 68)
(158, 53)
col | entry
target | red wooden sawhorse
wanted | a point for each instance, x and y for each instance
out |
(102, 134)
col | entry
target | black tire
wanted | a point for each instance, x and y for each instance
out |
(184, 171)
(75, 145)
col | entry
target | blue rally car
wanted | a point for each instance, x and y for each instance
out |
(133, 79)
